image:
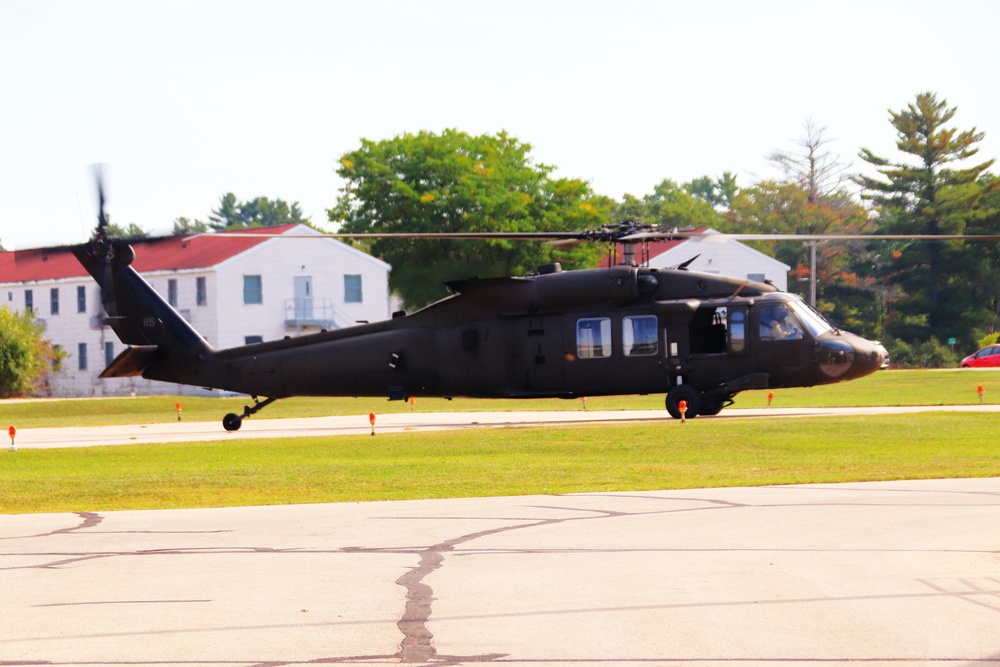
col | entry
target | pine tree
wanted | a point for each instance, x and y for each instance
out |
(932, 196)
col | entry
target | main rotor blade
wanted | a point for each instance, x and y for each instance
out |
(629, 238)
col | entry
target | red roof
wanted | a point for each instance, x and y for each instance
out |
(171, 253)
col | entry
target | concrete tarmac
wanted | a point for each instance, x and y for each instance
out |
(882, 573)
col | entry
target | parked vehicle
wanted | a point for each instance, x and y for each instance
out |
(987, 357)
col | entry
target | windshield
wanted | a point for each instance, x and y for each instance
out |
(813, 321)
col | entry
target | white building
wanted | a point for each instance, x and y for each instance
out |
(233, 290)
(725, 256)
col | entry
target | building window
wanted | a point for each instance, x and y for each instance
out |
(81, 299)
(109, 353)
(29, 301)
(57, 357)
(201, 291)
(172, 292)
(593, 337)
(54, 301)
(253, 340)
(352, 289)
(759, 277)
(253, 289)
(81, 356)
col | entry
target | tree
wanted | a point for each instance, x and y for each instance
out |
(259, 212)
(718, 192)
(928, 195)
(455, 182)
(129, 231)
(184, 226)
(784, 207)
(811, 165)
(26, 359)
(669, 205)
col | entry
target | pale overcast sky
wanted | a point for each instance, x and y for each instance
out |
(184, 101)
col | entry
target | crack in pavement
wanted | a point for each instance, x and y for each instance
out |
(417, 645)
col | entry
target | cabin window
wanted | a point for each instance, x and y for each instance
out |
(253, 340)
(29, 301)
(253, 290)
(54, 301)
(593, 337)
(109, 353)
(81, 356)
(708, 330)
(639, 336)
(81, 300)
(352, 289)
(778, 323)
(201, 291)
(737, 330)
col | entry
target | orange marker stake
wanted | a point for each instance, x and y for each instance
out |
(682, 405)
(770, 397)
(980, 391)
(12, 431)
(413, 400)
(178, 406)
(371, 418)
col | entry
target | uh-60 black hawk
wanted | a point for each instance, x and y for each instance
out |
(701, 338)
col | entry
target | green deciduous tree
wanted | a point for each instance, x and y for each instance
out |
(259, 212)
(784, 207)
(455, 182)
(929, 193)
(669, 205)
(718, 192)
(26, 359)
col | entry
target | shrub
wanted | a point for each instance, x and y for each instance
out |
(927, 354)
(26, 359)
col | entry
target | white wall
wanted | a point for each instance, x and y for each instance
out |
(224, 320)
(278, 262)
(728, 258)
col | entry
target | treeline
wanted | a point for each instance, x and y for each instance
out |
(916, 296)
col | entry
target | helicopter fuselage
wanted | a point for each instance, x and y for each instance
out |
(702, 338)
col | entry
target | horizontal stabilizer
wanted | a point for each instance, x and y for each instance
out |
(132, 362)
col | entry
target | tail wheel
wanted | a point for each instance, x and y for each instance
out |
(687, 393)
(232, 422)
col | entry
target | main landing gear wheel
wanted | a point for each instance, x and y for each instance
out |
(232, 422)
(712, 409)
(684, 392)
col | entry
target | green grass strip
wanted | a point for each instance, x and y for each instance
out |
(501, 461)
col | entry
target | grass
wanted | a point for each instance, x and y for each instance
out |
(904, 387)
(502, 461)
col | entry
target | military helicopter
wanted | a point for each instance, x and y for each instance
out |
(626, 329)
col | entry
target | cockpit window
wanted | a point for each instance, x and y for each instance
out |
(814, 322)
(778, 323)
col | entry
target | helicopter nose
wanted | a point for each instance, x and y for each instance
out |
(850, 357)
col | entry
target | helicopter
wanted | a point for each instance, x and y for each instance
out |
(624, 329)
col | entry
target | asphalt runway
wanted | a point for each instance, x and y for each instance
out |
(882, 573)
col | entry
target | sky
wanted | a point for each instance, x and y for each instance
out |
(183, 101)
